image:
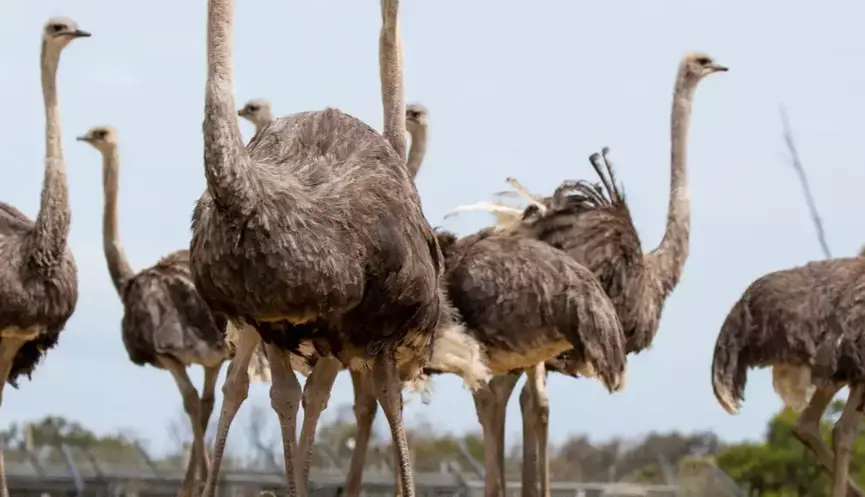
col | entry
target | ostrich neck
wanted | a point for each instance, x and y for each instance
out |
(670, 255)
(118, 265)
(417, 151)
(226, 163)
(51, 230)
(262, 123)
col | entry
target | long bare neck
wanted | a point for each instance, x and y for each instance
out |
(417, 151)
(51, 230)
(118, 265)
(226, 163)
(390, 68)
(262, 121)
(668, 259)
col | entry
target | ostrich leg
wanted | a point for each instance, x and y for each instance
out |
(843, 437)
(192, 406)
(10, 344)
(491, 404)
(388, 389)
(208, 399)
(538, 384)
(285, 394)
(807, 431)
(316, 393)
(502, 390)
(530, 443)
(365, 408)
(234, 392)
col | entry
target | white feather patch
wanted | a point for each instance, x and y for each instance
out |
(455, 351)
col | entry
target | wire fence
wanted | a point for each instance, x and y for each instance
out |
(130, 472)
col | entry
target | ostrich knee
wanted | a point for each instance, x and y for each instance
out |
(285, 394)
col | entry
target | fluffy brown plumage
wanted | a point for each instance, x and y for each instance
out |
(525, 302)
(809, 317)
(806, 323)
(349, 215)
(165, 315)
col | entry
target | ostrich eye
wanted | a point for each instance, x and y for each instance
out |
(252, 108)
(99, 134)
(705, 61)
(57, 28)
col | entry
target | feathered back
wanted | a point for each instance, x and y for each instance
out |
(592, 223)
(165, 315)
(810, 316)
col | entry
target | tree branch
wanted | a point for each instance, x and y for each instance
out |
(796, 162)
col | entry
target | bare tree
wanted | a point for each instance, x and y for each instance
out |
(263, 445)
(796, 162)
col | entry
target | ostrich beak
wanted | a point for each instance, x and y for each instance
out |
(79, 33)
(718, 68)
(83, 138)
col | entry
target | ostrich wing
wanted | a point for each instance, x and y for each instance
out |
(810, 316)
(165, 315)
(515, 292)
(13, 220)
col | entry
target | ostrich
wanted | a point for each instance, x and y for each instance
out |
(38, 276)
(166, 324)
(597, 230)
(320, 382)
(527, 302)
(257, 111)
(806, 324)
(325, 369)
(315, 232)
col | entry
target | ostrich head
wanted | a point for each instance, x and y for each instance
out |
(59, 31)
(698, 65)
(102, 138)
(416, 117)
(256, 111)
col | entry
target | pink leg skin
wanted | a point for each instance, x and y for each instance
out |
(537, 381)
(365, 408)
(316, 393)
(192, 406)
(530, 443)
(491, 403)
(388, 389)
(234, 392)
(208, 399)
(285, 394)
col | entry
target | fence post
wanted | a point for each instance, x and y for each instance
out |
(79, 482)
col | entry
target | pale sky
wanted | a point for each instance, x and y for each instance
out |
(513, 88)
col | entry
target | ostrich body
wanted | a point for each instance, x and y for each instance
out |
(166, 323)
(38, 276)
(526, 303)
(315, 232)
(324, 370)
(593, 224)
(806, 324)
